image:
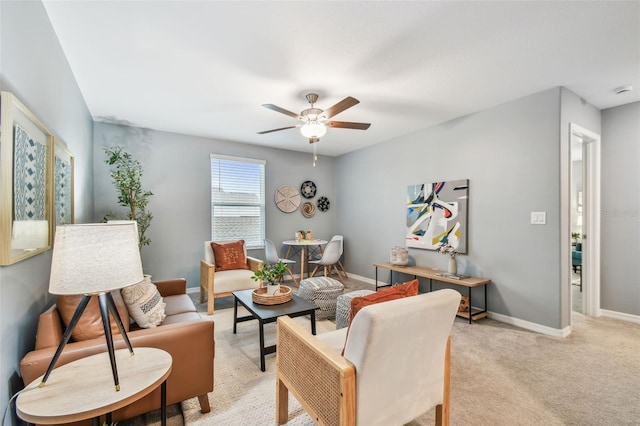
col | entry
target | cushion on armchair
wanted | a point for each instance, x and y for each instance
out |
(229, 256)
(410, 288)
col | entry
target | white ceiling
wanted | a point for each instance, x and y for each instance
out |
(205, 67)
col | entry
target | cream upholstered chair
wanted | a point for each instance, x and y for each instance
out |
(271, 257)
(329, 260)
(222, 283)
(395, 365)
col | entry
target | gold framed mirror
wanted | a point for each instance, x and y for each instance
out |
(25, 182)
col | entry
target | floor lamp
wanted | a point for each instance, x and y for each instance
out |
(92, 260)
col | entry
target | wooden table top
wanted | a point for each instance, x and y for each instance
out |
(305, 242)
(84, 389)
(432, 273)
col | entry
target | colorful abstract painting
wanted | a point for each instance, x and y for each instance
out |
(437, 215)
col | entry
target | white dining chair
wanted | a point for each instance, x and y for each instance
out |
(341, 239)
(329, 259)
(272, 257)
(340, 266)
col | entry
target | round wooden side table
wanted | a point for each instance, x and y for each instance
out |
(84, 389)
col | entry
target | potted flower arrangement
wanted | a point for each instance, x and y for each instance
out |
(452, 252)
(270, 275)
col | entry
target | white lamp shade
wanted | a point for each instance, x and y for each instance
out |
(95, 258)
(313, 130)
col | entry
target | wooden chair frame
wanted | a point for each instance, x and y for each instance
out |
(207, 280)
(330, 400)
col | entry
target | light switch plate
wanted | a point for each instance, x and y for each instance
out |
(538, 218)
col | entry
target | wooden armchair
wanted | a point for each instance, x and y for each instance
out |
(223, 283)
(395, 365)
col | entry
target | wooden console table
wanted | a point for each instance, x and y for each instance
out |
(432, 274)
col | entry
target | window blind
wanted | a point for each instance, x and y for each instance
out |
(237, 200)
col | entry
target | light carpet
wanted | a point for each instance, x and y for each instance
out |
(243, 394)
(501, 375)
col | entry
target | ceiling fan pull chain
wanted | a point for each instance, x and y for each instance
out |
(315, 155)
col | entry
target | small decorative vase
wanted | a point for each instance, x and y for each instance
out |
(453, 266)
(272, 289)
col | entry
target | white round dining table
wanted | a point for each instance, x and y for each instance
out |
(304, 249)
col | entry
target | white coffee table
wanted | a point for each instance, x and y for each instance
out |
(84, 389)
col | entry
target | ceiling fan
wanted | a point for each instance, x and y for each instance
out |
(315, 121)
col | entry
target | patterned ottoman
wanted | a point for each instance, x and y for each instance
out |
(343, 308)
(322, 292)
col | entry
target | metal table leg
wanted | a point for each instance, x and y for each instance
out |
(262, 351)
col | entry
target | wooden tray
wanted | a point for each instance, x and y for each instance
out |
(282, 295)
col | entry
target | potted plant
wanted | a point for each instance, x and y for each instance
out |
(301, 235)
(126, 173)
(270, 275)
(576, 237)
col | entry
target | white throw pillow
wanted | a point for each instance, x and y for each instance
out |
(144, 303)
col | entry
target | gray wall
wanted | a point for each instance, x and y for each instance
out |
(177, 170)
(620, 289)
(510, 154)
(33, 67)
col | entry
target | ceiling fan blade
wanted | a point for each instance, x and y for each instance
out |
(275, 130)
(281, 110)
(347, 102)
(348, 125)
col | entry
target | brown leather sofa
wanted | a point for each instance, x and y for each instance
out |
(184, 334)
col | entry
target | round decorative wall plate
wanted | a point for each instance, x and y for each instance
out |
(308, 189)
(287, 198)
(323, 204)
(308, 209)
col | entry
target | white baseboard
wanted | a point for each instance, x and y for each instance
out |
(538, 328)
(499, 317)
(621, 316)
(363, 279)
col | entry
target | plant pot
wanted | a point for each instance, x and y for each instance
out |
(272, 288)
(453, 266)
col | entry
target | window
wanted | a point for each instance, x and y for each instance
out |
(237, 200)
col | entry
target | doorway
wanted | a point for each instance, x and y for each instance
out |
(584, 219)
(576, 223)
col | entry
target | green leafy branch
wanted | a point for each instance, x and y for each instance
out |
(126, 174)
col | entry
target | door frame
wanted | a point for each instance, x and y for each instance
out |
(591, 220)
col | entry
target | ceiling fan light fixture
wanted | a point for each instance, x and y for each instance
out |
(313, 130)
